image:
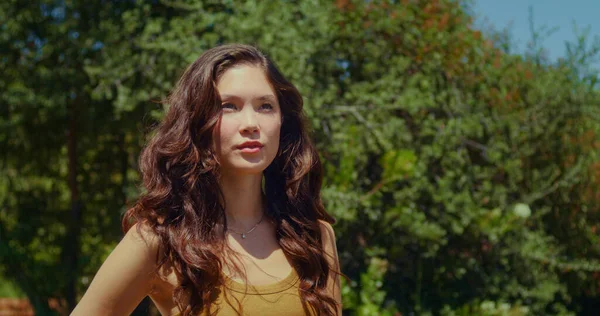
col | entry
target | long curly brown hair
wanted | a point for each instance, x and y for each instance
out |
(182, 203)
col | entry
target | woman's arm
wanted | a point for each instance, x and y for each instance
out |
(124, 279)
(331, 254)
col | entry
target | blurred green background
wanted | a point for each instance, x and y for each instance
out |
(464, 178)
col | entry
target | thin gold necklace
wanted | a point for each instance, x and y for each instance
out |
(251, 229)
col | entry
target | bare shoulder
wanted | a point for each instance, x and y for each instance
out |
(125, 277)
(331, 254)
(140, 241)
(141, 235)
(327, 232)
(166, 280)
(328, 240)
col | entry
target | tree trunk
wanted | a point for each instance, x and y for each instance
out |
(74, 223)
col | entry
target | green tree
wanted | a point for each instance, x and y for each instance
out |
(467, 175)
(59, 144)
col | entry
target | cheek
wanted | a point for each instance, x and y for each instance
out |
(272, 128)
(275, 135)
(227, 131)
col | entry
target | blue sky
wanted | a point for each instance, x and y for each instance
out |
(514, 14)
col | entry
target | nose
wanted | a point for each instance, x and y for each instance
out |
(249, 121)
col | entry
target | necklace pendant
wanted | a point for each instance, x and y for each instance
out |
(243, 236)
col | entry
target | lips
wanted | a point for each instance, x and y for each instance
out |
(251, 145)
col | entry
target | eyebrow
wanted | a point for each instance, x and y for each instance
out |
(266, 97)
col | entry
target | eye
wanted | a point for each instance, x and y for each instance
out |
(229, 106)
(266, 106)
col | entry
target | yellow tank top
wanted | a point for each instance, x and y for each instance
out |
(280, 298)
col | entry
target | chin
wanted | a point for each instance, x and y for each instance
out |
(247, 164)
(248, 167)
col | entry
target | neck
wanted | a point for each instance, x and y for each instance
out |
(244, 205)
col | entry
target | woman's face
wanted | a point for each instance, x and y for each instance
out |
(247, 137)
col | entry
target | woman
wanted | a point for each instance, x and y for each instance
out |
(232, 220)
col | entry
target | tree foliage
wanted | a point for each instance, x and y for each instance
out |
(467, 175)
